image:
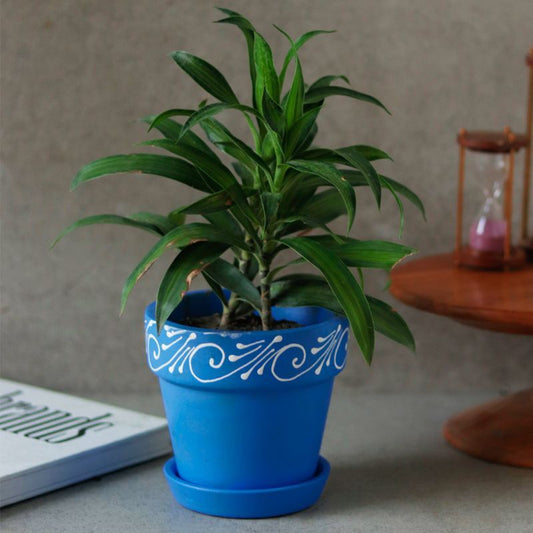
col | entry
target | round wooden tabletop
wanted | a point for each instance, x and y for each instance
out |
(502, 430)
(487, 299)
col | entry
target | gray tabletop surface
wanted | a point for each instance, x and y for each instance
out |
(391, 471)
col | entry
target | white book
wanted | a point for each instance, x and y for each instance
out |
(49, 440)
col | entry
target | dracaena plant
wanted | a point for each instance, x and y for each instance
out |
(279, 193)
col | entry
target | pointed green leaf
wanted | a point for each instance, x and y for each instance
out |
(405, 192)
(399, 203)
(248, 31)
(221, 137)
(157, 165)
(270, 204)
(172, 130)
(371, 153)
(218, 201)
(205, 75)
(160, 221)
(325, 81)
(298, 290)
(107, 219)
(372, 254)
(266, 76)
(273, 114)
(329, 173)
(217, 289)
(231, 278)
(169, 113)
(177, 279)
(244, 173)
(389, 323)
(304, 223)
(295, 47)
(345, 288)
(215, 109)
(302, 290)
(324, 206)
(179, 237)
(353, 158)
(320, 93)
(294, 104)
(217, 172)
(300, 130)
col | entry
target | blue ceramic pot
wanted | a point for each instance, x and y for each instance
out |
(246, 409)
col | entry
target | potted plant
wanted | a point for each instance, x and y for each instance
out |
(246, 368)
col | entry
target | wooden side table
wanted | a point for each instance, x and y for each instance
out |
(502, 430)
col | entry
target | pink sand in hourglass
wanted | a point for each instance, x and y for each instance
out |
(488, 235)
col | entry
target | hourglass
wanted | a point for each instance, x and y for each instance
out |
(489, 236)
(487, 232)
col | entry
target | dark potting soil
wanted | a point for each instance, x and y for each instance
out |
(242, 323)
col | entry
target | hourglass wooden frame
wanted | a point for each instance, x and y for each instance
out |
(527, 240)
(508, 143)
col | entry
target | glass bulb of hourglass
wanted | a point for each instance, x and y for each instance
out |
(487, 232)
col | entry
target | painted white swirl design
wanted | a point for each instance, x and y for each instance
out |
(180, 350)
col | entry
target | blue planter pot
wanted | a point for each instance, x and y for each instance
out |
(246, 410)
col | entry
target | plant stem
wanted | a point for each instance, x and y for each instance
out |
(266, 306)
(229, 310)
(227, 313)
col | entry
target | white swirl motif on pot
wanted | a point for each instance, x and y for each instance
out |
(180, 351)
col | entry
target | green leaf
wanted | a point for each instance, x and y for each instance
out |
(168, 114)
(273, 114)
(160, 221)
(372, 254)
(353, 158)
(179, 237)
(371, 153)
(405, 192)
(172, 130)
(214, 109)
(329, 173)
(302, 290)
(324, 206)
(157, 165)
(325, 81)
(217, 289)
(320, 93)
(344, 287)
(248, 31)
(205, 75)
(266, 76)
(298, 290)
(300, 130)
(270, 205)
(295, 47)
(369, 254)
(230, 277)
(297, 191)
(390, 323)
(294, 104)
(217, 172)
(399, 203)
(306, 222)
(221, 137)
(107, 219)
(244, 173)
(177, 279)
(218, 201)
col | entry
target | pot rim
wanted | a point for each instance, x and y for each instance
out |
(331, 317)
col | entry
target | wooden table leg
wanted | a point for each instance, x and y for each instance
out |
(500, 431)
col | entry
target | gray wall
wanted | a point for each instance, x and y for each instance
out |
(76, 74)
